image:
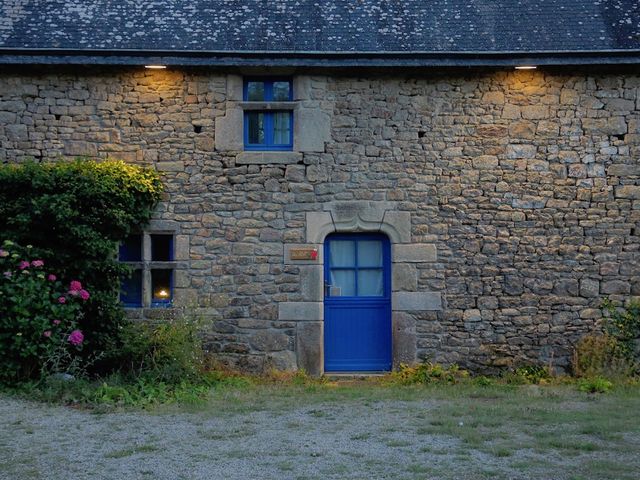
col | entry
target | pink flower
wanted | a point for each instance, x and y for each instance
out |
(62, 300)
(56, 322)
(47, 333)
(75, 286)
(3, 253)
(37, 263)
(52, 277)
(24, 264)
(76, 338)
(7, 274)
(84, 295)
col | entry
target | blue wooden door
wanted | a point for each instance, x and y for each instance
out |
(357, 303)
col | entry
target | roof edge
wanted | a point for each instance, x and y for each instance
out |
(306, 53)
(315, 59)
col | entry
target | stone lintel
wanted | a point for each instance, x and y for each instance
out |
(400, 222)
(319, 224)
(159, 226)
(301, 311)
(414, 253)
(264, 158)
(416, 301)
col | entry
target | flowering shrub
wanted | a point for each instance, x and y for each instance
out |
(74, 214)
(38, 314)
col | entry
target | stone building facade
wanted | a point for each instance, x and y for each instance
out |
(511, 199)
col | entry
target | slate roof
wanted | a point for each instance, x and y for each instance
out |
(322, 29)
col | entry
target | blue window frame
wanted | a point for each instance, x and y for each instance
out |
(355, 266)
(151, 272)
(268, 129)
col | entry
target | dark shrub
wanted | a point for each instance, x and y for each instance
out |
(75, 214)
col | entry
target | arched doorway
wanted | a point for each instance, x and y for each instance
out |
(357, 303)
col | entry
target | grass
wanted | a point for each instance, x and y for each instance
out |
(464, 430)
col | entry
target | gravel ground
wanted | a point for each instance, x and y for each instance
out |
(358, 440)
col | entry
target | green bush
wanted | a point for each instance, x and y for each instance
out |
(602, 355)
(38, 316)
(594, 385)
(427, 372)
(623, 324)
(75, 214)
(527, 375)
(169, 352)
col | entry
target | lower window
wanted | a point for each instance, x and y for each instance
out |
(150, 257)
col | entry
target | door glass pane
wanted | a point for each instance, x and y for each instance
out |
(342, 253)
(281, 91)
(370, 253)
(281, 128)
(255, 91)
(345, 280)
(255, 122)
(370, 283)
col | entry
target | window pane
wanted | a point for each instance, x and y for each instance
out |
(370, 253)
(345, 280)
(281, 91)
(370, 283)
(342, 253)
(131, 290)
(161, 248)
(255, 127)
(131, 249)
(161, 286)
(255, 91)
(281, 128)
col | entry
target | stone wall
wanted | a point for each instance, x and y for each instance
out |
(520, 189)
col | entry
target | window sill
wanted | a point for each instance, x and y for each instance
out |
(263, 158)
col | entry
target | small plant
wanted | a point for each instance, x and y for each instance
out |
(528, 375)
(623, 324)
(595, 385)
(601, 355)
(38, 316)
(484, 381)
(170, 351)
(428, 372)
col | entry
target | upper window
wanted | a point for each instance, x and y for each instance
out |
(267, 127)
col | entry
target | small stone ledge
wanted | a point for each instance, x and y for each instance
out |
(264, 158)
(301, 311)
(416, 301)
(414, 253)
